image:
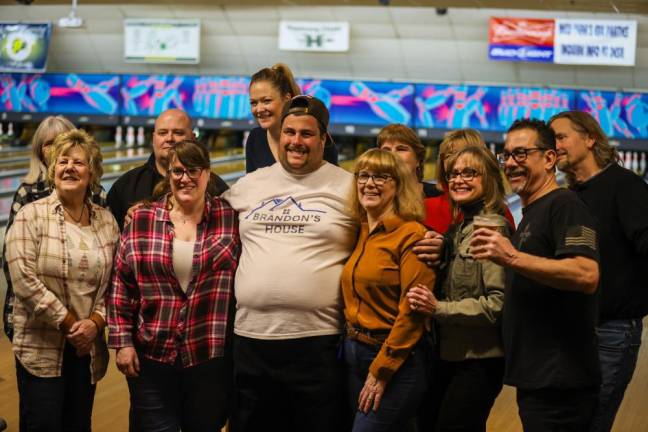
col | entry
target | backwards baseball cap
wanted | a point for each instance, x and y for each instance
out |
(309, 105)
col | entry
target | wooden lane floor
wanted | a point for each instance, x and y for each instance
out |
(111, 402)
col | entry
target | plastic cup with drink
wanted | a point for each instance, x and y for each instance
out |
(492, 222)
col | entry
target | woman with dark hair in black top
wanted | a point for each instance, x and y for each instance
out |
(270, 88)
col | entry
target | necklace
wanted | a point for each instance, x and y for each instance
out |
(177, 214)
(76, 221)
(184, 218)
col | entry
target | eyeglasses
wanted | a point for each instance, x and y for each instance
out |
(519, 154)
(379, 179)
(192, 173)
(466, 174)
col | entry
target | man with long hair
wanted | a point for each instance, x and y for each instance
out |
(618, 199)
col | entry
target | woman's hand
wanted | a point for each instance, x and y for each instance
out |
(422, 300)
(371, 394)
(82, 333)
(128, 362)
(83, 350)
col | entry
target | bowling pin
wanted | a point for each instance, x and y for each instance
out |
(130, 136)
(621, 158)
(1, 129)
(10, 131)
(642, 164)
(628, 160)
(492, 148)
(635, 162)
(119, 139)
(140, 136)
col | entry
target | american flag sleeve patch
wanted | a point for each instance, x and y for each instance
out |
(580, 236)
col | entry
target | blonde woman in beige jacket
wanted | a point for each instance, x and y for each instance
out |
(468, 303)
(60, 255)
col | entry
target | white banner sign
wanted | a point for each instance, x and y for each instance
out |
(595, 42)
(162, 40)
(314, 36)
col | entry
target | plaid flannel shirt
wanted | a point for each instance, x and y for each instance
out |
(147, 308)
(38, 262)
(25, 194)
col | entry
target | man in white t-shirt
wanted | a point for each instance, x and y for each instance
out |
(297, 233)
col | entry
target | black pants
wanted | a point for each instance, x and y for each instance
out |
(428, 409)
(469, 389)
(553, 409)
(166, 398)
(60, 404)
(298, 383)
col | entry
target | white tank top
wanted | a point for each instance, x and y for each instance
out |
(182, 261)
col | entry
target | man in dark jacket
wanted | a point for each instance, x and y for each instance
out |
(171, 127)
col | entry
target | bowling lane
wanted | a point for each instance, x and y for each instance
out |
(7, 151)
(228, 163)
(108, 152)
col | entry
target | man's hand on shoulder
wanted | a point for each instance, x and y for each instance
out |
(129, 213)
(429, 249)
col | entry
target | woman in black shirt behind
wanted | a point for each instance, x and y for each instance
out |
(270, 88)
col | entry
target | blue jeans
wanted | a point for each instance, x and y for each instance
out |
(619, 342)
(402, 394)
(168, 398)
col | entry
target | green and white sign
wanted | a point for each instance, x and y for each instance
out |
(314, 36)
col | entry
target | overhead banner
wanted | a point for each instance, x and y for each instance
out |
(314, 36)
(595, 42)
(162, 41)
(521, 39)
(23, 47)
(563, 41)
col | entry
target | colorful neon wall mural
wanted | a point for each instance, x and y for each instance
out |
(354, 102)
(60, 93)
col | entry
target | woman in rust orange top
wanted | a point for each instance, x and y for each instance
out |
(386, 371)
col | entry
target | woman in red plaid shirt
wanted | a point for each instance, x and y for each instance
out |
(170, 303)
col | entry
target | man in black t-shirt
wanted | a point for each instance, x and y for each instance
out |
(549, 306)
(618, 199)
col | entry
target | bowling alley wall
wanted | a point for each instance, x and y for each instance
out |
(357, 107)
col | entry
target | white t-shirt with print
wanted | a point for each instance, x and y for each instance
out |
(297, 233)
